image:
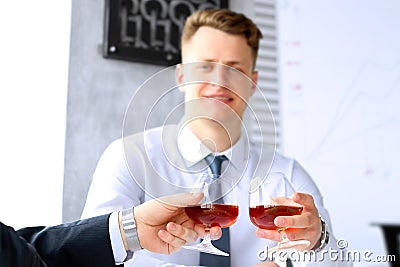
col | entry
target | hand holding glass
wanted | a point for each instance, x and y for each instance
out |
(269, 199)
(211, 212)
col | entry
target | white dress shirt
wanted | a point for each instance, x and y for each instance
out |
(117, 244)
(164, 161)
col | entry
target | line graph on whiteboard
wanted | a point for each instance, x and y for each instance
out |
(340, 89)
(367, 119)
(340, 82)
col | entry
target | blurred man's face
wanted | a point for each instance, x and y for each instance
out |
(230, 87)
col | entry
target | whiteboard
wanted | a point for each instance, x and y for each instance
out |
(340, 92)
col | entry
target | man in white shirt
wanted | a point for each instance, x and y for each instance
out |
(219, 49)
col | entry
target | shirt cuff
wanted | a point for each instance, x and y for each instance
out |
(117, 244)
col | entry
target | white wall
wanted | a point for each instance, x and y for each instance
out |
(33, 89)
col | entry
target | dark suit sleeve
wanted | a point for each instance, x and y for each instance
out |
(82, 243)
(15, 251)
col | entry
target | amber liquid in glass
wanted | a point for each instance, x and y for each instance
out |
(263, 216)
(222, 215)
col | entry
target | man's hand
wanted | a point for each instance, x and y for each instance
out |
(306, 226)
(163, 226)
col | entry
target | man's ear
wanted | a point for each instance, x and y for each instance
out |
(254, 78)
(179, 77)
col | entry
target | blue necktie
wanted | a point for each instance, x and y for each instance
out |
(211, 260)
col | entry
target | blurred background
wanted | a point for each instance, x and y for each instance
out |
(330, 69)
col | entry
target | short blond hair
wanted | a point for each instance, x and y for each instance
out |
(224, 20)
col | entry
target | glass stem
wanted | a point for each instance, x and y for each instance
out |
(284, 238)
(207, 237)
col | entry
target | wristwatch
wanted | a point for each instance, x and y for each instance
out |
(131, 235)
(324, 237)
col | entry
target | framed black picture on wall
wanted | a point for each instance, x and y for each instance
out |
(148, 31)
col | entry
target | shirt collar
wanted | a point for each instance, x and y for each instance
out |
(193, 150)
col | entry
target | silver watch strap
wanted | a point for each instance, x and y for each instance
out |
(129, 226)
(324, 236)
